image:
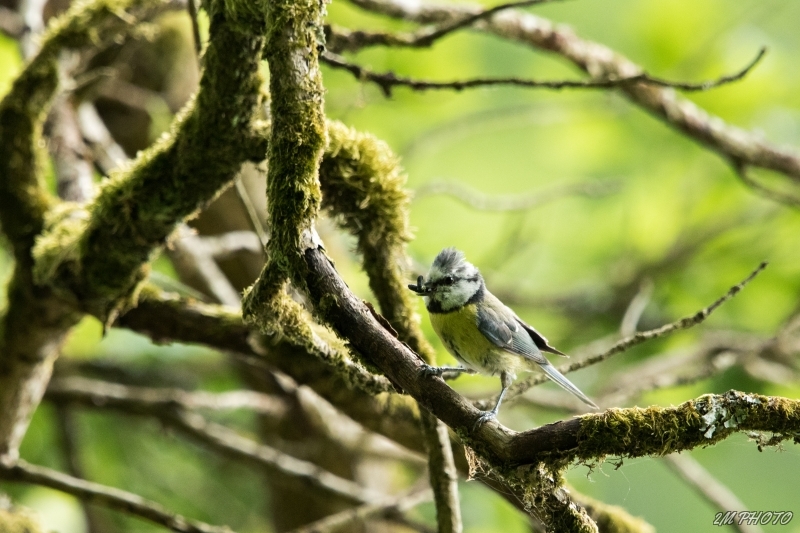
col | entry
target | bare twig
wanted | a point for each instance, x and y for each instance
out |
(601, 62)
(68, 437)
(633, 313)
(227, 244)
(228, 442)
(388, 509)
(103, 495)
(386, 81)
(167, 406)
(633, 340)
(442, 473)
(198, 268)
(339, 39)
(437, 33)
(516, 202)
(781, 197)
(709, 488)
(148, 400)
(107, 154)
(192, 9)
(252, 213)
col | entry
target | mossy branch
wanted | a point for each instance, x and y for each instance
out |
(36, 319)
(296, 143)
(138, 207)
(363, 396)
(23, 197)
(363, 187)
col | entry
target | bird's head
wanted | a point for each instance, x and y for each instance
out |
(451, 282)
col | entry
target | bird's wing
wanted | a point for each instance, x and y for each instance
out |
(499, 324)
(538, 339)
(502, 327)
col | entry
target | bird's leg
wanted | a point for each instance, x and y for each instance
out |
(506, 379)
(440, 370)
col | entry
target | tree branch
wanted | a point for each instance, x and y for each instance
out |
(709, 488)
(149, 400)
(600, 62)
(339, 40)
(388, 80)
(386, 509)
(37, 319)
(635, 339)
(106, 496)
(169, 406)
(516, 202)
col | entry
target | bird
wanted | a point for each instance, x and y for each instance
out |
(482, 333)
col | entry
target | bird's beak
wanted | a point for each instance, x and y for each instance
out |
(419, 289)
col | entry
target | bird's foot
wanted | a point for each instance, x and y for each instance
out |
(429, 370)
(485, 417)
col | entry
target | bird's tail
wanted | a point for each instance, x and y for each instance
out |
(559, 378)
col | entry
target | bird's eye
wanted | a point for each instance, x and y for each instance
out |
(448, 280)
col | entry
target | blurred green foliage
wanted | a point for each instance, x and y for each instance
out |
(513, 141)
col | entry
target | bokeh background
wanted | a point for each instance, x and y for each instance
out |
(570, 265)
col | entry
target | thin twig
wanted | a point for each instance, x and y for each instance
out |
(218, 437)
(442, 473)
(67, 431)
(445, 29)
(777, 196)
(252, 212)
(600, 61)
(340, 39)
(709, 488)
(198, 43)
(198, 268)
(386, 81)
(107, 154)
(630, 320)
(229, 442)
(227, 244)
(149, 399)
(516, 202)
(633, 340)
(106, 496)
(389, 509)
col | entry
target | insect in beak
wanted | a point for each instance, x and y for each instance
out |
(418, 288)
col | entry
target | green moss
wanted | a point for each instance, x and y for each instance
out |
(298, 129)
(23, 197)
(363, 189)
(18, 521)
(295, 147)
(614, 519)
(139, 206)
(58, 244)
(636, 432)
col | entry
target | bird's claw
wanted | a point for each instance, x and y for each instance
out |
(429, 370)
(485, 417)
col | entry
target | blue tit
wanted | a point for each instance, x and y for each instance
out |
(479, 331)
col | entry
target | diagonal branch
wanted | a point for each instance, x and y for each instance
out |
(389, 80)
(386, 509)
(37, 319)
(637, 338)
(106, 496)
(215, 436)
(709, 488)
(339, 40)
(601, 62)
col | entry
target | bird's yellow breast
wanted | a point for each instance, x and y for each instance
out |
(459, 333)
